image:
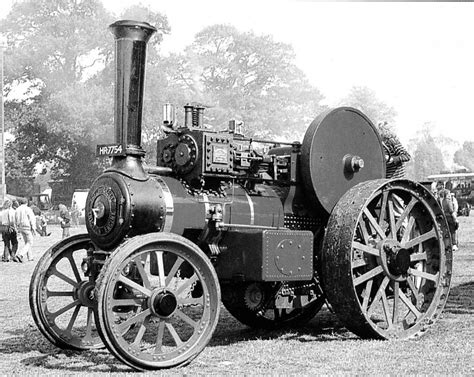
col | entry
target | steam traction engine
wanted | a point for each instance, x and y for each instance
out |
(273, 233)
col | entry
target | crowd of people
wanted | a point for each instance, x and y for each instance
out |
(22, 218)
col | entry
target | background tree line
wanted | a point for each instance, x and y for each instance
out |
(59, 76)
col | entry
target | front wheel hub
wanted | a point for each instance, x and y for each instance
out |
(163, 303)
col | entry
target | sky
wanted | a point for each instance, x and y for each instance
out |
(417, 57)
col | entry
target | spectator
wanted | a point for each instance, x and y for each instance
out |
(65, 220)
(75, 213)
(41, 223)
(25, 223)
(451, 215)
(395, 154)
(9, 233)
(34, 207)
(455, 202)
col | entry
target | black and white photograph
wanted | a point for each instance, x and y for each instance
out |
(236, 187)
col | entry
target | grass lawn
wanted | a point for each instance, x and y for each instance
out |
(323, 346)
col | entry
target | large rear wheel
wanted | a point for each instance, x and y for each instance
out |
(387, 259)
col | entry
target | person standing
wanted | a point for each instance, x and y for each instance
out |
(75, 213)
(25, 222)
(65, 220)
(451, 215)
(9, 235)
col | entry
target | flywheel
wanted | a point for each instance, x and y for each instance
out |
(340, 149)
(387, 259)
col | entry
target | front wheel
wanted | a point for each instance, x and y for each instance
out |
(61, 296)
(158, 301)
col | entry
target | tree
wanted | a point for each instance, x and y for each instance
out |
(63, 48)
(365, 100)
(249, 77)
(55, 42)
(465, 155)
(427, 156)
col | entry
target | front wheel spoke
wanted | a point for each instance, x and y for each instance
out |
(65, 278)
(186, 318)
(73, 319)
(124, 326)
(408, 303)
(141, 332)
(136, 301)
(90, 319)
(420, 239)
(134, 285)
(66, 308)
(368, 275)
(374, 223)
(159, 337)
(161, 268)
(424, 275)
(366, 249)
(74, 268)
(141, 271)
(187, 284)
(174, 334)
(174, 269)
(189, 301)
(59, 294)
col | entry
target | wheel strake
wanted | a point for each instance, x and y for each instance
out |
(387, 259)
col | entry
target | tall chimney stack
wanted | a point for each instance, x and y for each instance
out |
(131, 38)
